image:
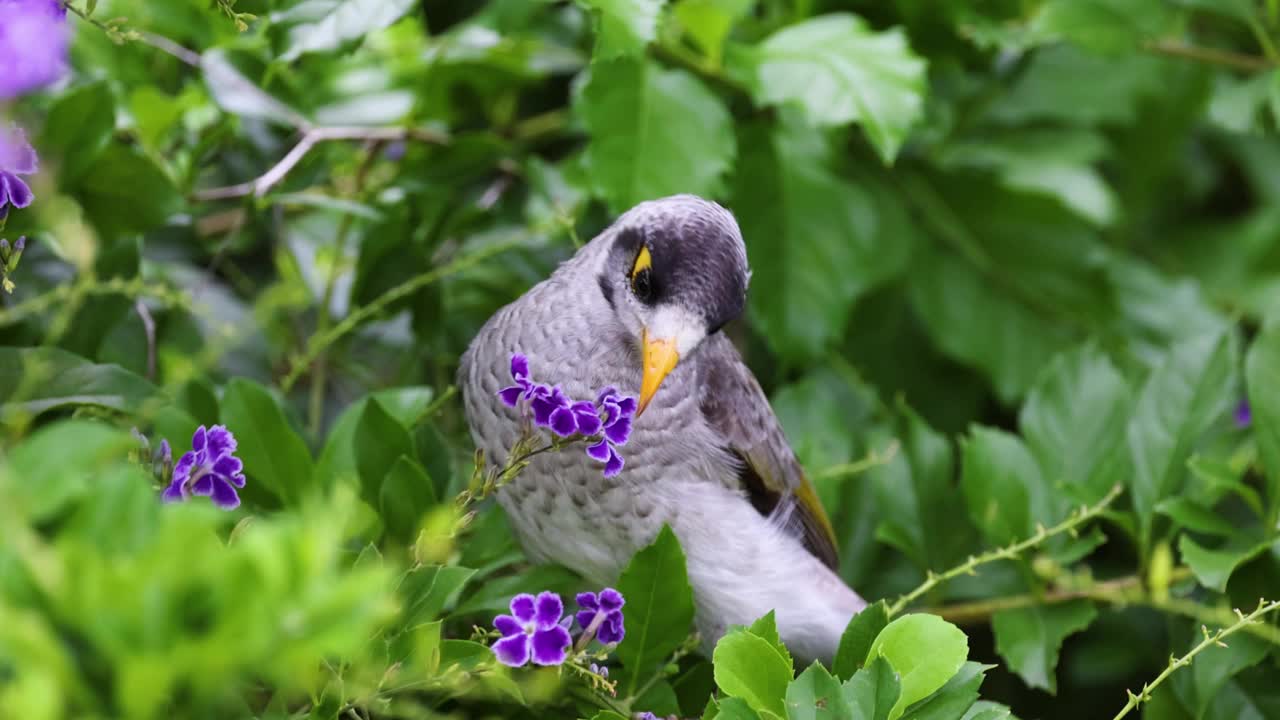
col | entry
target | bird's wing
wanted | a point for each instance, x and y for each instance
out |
(736, 407)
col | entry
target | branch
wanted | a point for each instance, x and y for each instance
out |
(163, 44)
(1010, 552)
(319, 343)
(1212, 56)
(1216, 638)
(264, 182)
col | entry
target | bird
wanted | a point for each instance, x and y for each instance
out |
(642, 308)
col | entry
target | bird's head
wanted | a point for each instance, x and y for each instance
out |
(676, 272)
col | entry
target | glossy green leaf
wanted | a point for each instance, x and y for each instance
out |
(997, 470)
(840, 70)
(79, 126)
(659, 609)
(624, 27)
(379, 441)
(1029, 639)
(874, 690)
(1074, 422)
(655, 132)
(236, 94)
(334, 23)
(856, 641)
(1213, 567)
(814, 240)
(955, 698)
(924, 650)
(112, 182)
(816, 695)
(751, 668)
(37, 380)
(428, 589)
(406, 494)
(277, 464)
(1184, 394)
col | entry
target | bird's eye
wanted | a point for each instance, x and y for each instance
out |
(641, 276)
(642, 285)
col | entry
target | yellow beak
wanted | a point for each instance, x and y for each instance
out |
(660, 357)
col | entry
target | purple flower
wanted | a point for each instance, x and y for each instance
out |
(210, 469)
(619, 411)
(1243, 414)
(552, 408)
(532, 630)
(606, 609)
(646, 716)
(17, 157)
(33, 45)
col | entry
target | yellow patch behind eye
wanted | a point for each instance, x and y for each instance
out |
(643, 261)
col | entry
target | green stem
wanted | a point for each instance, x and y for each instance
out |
(1210, 639)
(1009, 552)
(1209, 56)
(874, 458)
(321, 341)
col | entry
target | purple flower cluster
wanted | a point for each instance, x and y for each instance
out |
(604, 612)
(33, 45)
(17, 157)
(537, 629)
(566, 417)
(210, 469)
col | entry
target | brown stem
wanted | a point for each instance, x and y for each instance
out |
(1212, 56)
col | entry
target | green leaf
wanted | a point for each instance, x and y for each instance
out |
(1105, 26)
(39, 379)
(78, 127)
(924, 650)
(406, 494)
(342, 21)
(624, 27)
(997, 470)
(338, 459)
(917, 497)
(1262, 377)
(708, 22)
(954, 699)
(1074, 423)
(1185, 393)
(1213, 568)
(840, 71)
(816, 694)
(1029, 638)
(276, 461)
(735, 709)
(55, 465)
(427, 589)
(751, 668)
(659, 608)
(766, 628)
(874, 690)
(1192, 515)
(380, 440)
(856, 641)
(813, 239)
(236, 94)
(115, 180)
(654, 132)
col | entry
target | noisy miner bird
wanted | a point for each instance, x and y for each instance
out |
(640, 308)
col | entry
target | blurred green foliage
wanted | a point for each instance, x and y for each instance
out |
(1007, 256)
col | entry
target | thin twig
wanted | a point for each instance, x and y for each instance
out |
(149, 328)
(264, 182)
(874, 458)
(1009, 552)
(315, 409)
(163, 44)
(320, 342)
(1212, 56)
(1210, 639)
